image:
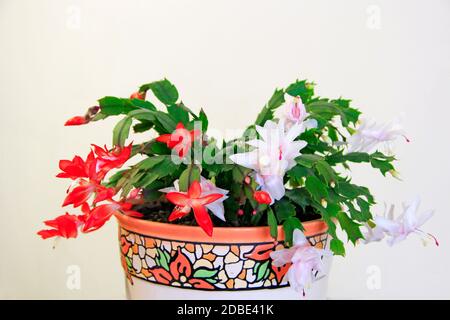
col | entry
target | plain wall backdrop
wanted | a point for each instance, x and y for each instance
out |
(57, 57)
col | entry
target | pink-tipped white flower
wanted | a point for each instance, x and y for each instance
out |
(273, 155)
(295, 113)
(306, 261)
(207, 188)
(407, 223)
(370, 136)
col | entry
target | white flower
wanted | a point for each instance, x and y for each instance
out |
(295, 113)
(369, 136)
(376, 233)
(408, 222)
(208, 187)
(306, 261)
(274, 154)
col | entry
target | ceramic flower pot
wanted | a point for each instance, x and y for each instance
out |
(167, 261)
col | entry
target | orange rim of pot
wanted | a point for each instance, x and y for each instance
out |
(178, 232)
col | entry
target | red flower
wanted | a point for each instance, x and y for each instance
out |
(79, 195)
(181, 272)
(85, 190)
(76, 121)
(111, 159)
(65, 226)
(138, 95)
(98, 163)
(96, 218)
(78, 168)
(193, 200)
(262, 197)
(88, 175)
(180, 140)
(73, 169)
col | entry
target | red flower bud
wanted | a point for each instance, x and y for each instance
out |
(262, 197)
(138, 95)
(240, 212)
(247, 180)
(76, 121)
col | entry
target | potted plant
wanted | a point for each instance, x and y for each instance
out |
(254, 217)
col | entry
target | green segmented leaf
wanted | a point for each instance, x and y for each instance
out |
(308, 160)
(273, 224)
(324, 169)
(121, 131)
(266, 113)
(297, 173)
(382, 165)
(350, 227)
(178, 113)
(191, 174)
(164, 90)
(142, 126)
(114, 106)
(301, 88)
(289, 225)
(143, 114)
(337, 246)
(316, 188)
(143, 104)
(284, 209)
(167, 123)
(299, 196)
(204, 119)
(151, 162)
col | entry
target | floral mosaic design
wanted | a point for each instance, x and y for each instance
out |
(204, 266)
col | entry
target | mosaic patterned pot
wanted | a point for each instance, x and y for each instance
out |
(167, 261)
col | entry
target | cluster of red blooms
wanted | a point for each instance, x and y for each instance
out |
(87, 176)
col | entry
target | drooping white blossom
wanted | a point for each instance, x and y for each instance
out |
(376, 233)
(410, 221)
(306, 261)
(370, 136)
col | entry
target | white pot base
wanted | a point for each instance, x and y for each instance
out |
(145, 290)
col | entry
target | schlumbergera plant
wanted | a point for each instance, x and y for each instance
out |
(292, 165)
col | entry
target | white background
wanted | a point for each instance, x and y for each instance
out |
(57, 57)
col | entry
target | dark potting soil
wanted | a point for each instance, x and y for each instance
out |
(160, 211)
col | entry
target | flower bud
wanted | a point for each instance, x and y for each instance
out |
(395, 174)
(262, 197)
(76, 121)
(138, 95)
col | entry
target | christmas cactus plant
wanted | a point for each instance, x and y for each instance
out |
(292, 165)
